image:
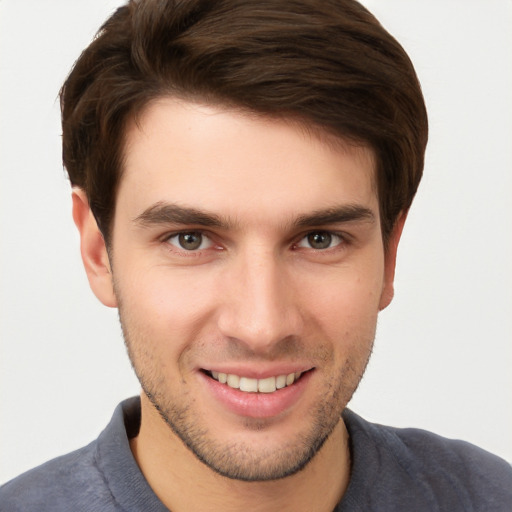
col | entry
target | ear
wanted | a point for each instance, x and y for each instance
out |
(388, 289)
(93, 250)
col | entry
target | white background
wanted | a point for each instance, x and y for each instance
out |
(443, 356)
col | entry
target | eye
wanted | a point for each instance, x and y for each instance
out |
(190, 241)
(320, 240)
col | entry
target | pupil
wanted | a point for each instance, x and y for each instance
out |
(190, 241)
(319, 240)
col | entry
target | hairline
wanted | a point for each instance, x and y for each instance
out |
(309, 129)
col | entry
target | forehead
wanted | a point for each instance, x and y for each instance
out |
(238, 163)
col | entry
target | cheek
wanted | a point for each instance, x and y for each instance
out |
(349, 295)
(346, 311)
(166, 311)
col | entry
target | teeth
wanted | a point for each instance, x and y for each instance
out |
(250, 385)
(281, 381)
(233, 381)
(268, 385)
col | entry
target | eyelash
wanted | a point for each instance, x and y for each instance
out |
(189, 252)
(332, 236)
(342, 240)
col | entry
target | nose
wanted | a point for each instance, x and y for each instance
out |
(260, 307)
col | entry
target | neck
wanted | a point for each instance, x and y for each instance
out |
(184, 484)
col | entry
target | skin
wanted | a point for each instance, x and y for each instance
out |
(259, 296)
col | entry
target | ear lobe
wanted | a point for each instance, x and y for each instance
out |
(93, 250)
(388, 289)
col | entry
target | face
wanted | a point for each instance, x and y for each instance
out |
(248, 270)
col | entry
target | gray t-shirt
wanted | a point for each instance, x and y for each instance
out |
(392, 470)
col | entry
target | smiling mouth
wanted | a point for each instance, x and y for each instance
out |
(250, 385)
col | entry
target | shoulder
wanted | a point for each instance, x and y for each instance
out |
(69, 482)
(446, 474)
(103, 476)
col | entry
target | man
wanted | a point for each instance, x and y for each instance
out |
(241, 175)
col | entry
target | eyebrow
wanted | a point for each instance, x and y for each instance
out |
(169, 213)
(336, 215)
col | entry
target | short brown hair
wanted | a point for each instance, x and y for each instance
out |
(329, 64)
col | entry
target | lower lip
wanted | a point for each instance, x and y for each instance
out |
(257, 405)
